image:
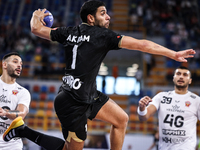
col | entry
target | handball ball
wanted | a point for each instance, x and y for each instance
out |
(48, 19)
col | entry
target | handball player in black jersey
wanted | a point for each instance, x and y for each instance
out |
(86, 45)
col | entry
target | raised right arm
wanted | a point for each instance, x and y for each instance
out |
(38, 25)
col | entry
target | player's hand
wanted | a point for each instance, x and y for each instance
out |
(182, 55)
(2, 112)
(144, 102)
(40, 15)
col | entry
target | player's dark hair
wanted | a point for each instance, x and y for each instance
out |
(10, 54)
(183, 67)
(90, 7)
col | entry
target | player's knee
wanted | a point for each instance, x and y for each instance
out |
(126, 118)
(123, 120)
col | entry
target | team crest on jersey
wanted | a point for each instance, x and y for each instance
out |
(14, 92)
(187, 103)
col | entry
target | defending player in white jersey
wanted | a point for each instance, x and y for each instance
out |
(178, 112)
(14, 99)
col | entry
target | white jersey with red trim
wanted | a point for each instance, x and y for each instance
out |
(10, 96)
(177, 116)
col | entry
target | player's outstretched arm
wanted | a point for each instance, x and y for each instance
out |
(38, 25)
(143, 111)
(153, 48)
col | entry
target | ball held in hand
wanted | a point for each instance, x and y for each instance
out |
(48, 19)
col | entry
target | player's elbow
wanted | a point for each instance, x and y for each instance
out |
(34, 30)
(144, 45)
(37, 31)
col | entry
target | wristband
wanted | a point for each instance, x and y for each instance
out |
(142, 113)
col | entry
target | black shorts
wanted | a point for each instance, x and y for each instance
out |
(73, 115)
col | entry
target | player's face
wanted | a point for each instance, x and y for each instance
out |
(182, 78)
(14, 66)
(102, 19)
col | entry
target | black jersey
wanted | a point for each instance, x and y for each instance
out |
(85, 48)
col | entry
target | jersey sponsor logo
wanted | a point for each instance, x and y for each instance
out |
(177, 101)
(193, 96)
(19, 88)
(96, 98)
(175, 108)
(172, 120)
(2, 131)
(169, 93)
(173, 132)
(4, 125)
(76, 39)
(73, 83)
(14, 92)
(4, 117)
(172, 140)
(3, 99)
(187, 103)
(4, 90)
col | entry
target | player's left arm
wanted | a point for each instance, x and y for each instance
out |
(153, 48)
(144, 109)
(21, 110)
(38, 25)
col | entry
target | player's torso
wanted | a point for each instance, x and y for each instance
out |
(85, 49)
(8, 100)
(177, 118)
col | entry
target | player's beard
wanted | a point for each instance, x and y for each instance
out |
(99, 24)
(181, 86)
(11, 72)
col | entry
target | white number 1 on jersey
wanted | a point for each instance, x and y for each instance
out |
(74, 56)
